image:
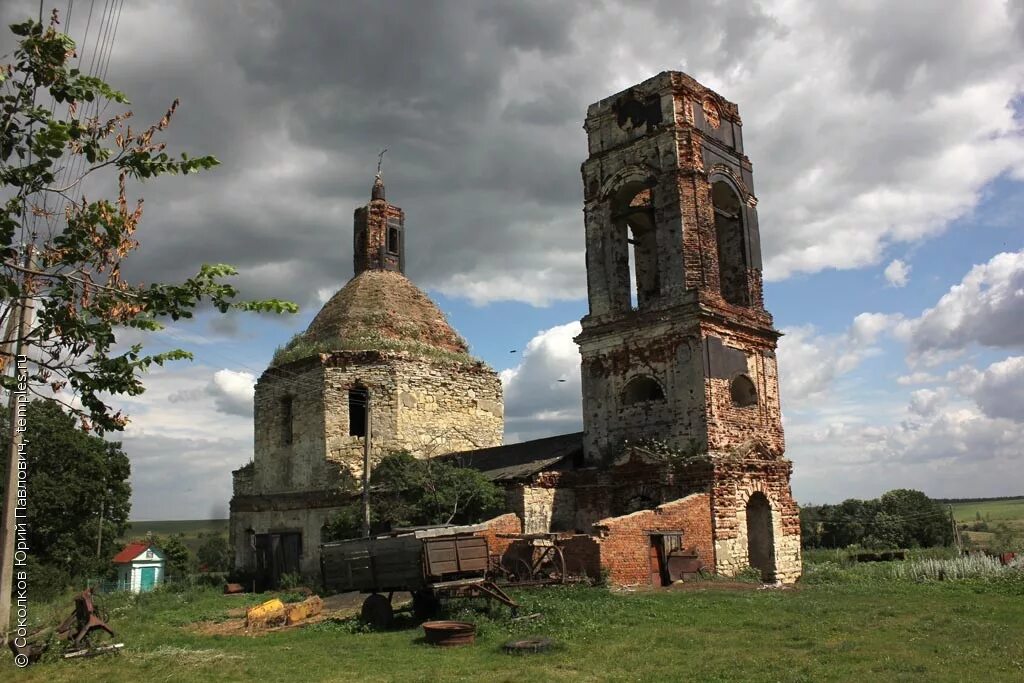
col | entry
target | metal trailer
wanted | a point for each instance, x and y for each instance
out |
(432, 563)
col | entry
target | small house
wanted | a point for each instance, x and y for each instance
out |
(140, 567)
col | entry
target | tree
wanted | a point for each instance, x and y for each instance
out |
(925, 522)
(180, 561)
(62, 253)
(406, 491)
(215, 554)
(80, 245)
(76, 479)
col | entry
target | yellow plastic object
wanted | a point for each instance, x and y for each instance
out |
(310, 607)
(267, 613)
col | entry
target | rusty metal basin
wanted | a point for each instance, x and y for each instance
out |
(449, 633)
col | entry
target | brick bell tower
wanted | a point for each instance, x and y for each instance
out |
(677, 346)
(379, 233)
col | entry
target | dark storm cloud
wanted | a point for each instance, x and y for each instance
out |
(481, 107)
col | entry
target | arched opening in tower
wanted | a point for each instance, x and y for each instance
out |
(743, 392)
(633, 218)
(641, 390)
(760, 536)
(732, 258)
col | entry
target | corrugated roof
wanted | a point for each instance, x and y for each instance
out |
(524, 459)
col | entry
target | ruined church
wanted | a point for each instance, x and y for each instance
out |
(682, 443)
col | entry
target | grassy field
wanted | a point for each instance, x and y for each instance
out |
(189, 528)
(995, 510)
(828, 630)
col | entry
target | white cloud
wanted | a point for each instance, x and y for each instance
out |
(897, 273)
(232, 392)
(986, 308)
(543, 396)
(810, 363)
(998, 390)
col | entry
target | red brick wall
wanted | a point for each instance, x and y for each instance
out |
(582, 556)
(625, 543)
(509, 523)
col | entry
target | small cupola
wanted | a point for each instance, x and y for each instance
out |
(378, 233)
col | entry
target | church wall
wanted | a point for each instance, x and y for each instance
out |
(426, 408)
(670, 355)
(306, 520)
(735, 482)
(280, 466)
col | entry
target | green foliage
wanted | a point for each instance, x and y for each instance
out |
(180, 560)
(215, 554)
(407, 491)
(300, 347)
(81, 302)
(74, 476)
(901, 518)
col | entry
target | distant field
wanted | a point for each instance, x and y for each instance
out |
(189, 528)
(995, 510)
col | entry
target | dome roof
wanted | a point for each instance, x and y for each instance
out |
(378, 310)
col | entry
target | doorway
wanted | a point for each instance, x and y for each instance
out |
(760, 537)
(661, 545)
(276, 554)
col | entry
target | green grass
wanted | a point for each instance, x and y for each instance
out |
(994, 510)
(827, 631)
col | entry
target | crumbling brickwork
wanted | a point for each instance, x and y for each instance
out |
(506, 524)
(625, 541)
(686, 357)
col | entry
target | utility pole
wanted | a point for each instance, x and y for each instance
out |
(99, 536)
(366, 469)
(956, 532)
(18, 401)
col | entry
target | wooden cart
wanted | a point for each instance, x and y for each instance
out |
(432, 563)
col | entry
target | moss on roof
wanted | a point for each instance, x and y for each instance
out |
(378, 310)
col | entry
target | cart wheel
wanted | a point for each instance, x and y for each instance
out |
(425, 605)
(377, 611)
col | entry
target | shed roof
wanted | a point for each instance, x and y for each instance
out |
(524, 459)
(131, 551)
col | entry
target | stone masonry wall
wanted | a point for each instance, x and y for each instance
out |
(307, 520)
(735, 482)
(426, 408)
(625, 541)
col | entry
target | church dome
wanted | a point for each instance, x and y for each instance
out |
(378, 310)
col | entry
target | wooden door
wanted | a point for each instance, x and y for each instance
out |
(148, 578)
(655, 560)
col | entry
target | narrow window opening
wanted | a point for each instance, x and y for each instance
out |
(732, 260)
(357, 411)
(393, 240)
(642, 390)
(287, 421)
(743, 392)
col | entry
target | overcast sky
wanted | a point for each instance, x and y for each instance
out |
(888, 159)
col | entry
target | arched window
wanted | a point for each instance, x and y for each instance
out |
(732, 256)
(633, 216)
(641, 390)
(357, 403)
(743, 392)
